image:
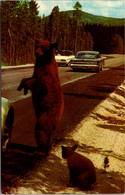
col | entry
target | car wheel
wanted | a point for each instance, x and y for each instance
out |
(7, 129)
(99, 69)
(74, 69)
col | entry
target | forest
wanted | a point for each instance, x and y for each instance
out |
(21, 23)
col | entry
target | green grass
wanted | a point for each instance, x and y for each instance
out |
(4, 64)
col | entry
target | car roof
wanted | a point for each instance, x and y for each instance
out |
(92, 52)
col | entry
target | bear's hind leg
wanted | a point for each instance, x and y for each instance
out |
(42, 141)
(83, 181)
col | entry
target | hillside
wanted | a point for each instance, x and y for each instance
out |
(93, 19)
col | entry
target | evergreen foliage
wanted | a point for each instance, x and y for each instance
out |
(20, 24)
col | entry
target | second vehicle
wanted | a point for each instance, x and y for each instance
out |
(87, 60)
(63, 57)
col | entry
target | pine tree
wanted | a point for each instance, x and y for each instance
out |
(54, 24)
(116, 45)
(77, 23)
(20, 24)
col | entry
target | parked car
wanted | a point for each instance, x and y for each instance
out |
(87, 60)
(63, 57)
(7, 120)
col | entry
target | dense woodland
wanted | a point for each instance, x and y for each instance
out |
(21, 23)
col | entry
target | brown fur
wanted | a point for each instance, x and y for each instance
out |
(82, 170)
(46, 92)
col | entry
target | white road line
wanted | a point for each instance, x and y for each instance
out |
(29, 94)
(21, 97)
(77, 79)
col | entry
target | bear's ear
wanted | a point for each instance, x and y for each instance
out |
(64, 150)
(74, 147)
(54, 45)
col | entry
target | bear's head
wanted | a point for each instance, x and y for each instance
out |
(44, 51)
(67, 151)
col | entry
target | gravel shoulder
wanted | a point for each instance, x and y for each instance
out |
(101, 134)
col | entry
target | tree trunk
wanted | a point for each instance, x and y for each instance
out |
(76, 40)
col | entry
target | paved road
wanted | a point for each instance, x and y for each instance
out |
(10, 78)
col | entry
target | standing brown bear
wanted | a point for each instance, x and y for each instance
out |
(82, 170)
(46, 92)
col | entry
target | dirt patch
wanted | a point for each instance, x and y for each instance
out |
(100, 135)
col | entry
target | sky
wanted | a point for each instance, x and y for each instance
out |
(112, 8)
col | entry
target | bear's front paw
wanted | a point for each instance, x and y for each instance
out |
(25, 90)
(21, 85)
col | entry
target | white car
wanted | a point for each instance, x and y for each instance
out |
(7, 120)
(63, 57)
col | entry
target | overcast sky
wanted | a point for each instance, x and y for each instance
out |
(112, 8)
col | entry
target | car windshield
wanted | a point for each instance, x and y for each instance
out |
(86, 55)
(65, 53)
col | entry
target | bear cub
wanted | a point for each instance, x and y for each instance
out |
(47, 95)
(82, 170)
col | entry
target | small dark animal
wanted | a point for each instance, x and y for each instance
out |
(82, 170)
(46, 92)
(106, 162)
